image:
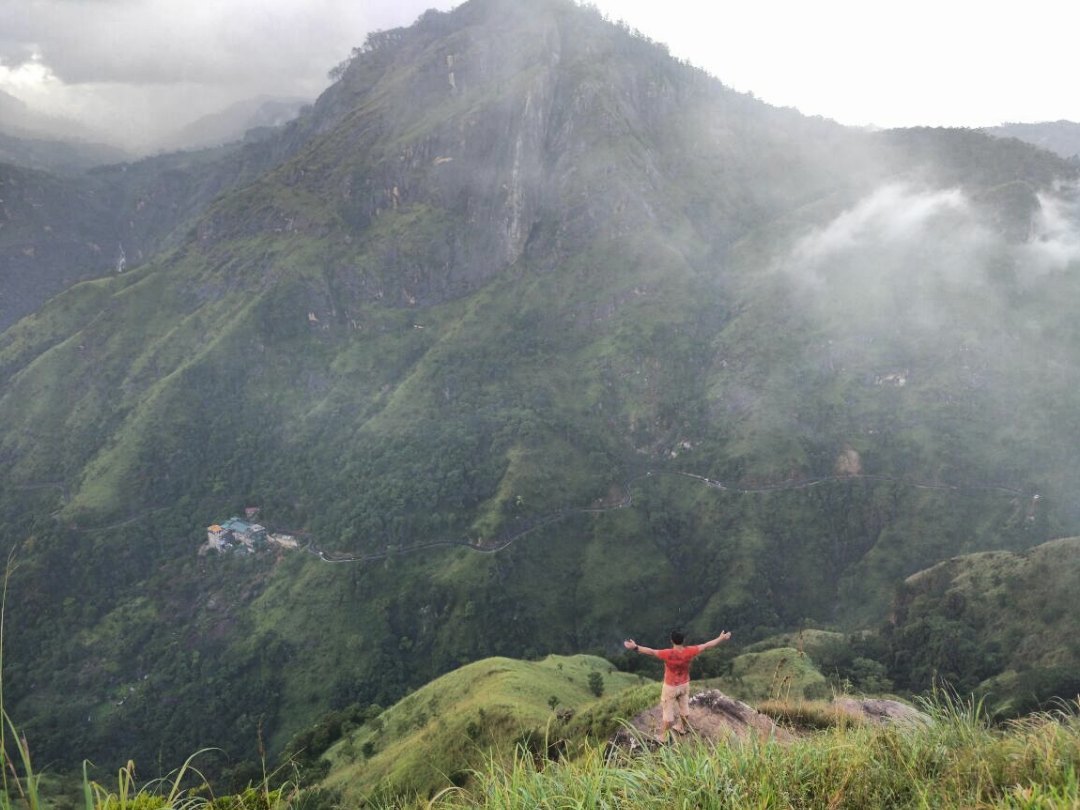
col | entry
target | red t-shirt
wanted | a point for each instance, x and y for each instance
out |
(677, 663)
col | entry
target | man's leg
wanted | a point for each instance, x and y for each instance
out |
(683, 703)
(667, 710)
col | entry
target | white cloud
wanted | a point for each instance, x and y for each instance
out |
(905, 258)
(155, 63)
(1055, 239)
(137, 69)
(165, 42)
(891, 215)
(925, 62)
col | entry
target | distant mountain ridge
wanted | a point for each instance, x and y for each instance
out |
(57, 156)
(230, 124)
(18, 119)
(1060, 137)
(511, 269)
(65, 218)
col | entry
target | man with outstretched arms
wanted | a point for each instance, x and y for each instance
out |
(676, 688)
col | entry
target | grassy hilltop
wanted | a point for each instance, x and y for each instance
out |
(438, 734)
(999, 623)
(957, 763)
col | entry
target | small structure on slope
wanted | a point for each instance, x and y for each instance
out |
(234, 533)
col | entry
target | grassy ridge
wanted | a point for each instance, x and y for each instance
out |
(1005, 617)
(957, 761)
(440, 732)
(484, 736)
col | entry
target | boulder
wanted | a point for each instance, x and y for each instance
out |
(714, 717)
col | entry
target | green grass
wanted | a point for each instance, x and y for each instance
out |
(23, 788)
(783, 673)
(434, 736)
(957, 761)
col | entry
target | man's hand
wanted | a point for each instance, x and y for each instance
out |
(720, 639)
(630, 644)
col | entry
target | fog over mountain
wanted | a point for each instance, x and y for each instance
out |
(230, 124)
(923, 239)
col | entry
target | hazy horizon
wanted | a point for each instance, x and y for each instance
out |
(133, 73)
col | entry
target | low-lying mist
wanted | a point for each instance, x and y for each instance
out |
(906, 260)
(940, 325)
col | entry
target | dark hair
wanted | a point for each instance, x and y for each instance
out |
(677, 636)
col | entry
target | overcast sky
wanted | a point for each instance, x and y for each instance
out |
(135, 69)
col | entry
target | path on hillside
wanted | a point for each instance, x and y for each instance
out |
(60, 485)
(507, 539)
(531, 525)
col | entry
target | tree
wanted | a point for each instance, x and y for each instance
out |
(596, 683)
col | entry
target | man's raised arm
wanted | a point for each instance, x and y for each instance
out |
(630, 644)
(720, 639)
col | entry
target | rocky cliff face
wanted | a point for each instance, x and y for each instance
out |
(504, 133)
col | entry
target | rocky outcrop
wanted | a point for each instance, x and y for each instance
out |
(714, 717)
(880, 711)
(718, 718)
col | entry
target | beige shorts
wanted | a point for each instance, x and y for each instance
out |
(672, 695)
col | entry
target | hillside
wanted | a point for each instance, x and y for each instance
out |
(436, 735)
(845, 753)
(56, 156)
(955, 762)
(65, 217)
(536, 338)
(445, 731)
(1001, 623)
